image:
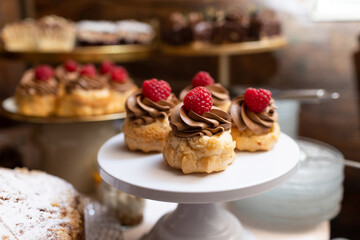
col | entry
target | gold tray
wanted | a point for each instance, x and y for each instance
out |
(118, 53)
(8, 109)
(207, 49)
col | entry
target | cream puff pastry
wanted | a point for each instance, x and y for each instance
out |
(255, 127)
(146, 125)
(86, 96)
(220, 95)
(200, 141)
(37, 93)
(121, 87)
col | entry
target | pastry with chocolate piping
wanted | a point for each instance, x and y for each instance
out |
(220, 95)
(37, 93)
(200, 140)
(67, 72)
(147, 110)
(121, 87)
(254, 117)
(88, 95)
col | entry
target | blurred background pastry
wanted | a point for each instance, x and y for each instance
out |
(67, 72)
(220, 26)
(96, 33)
(121, 87)
(55, 33)
(37, 92)
(86, 96)
(19, 36)
(134, 32)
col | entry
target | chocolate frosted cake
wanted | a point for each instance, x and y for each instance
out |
(178, 30)
(35, 205)
(234, 25)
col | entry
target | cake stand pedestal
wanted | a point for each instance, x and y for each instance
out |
(68, 145)
(197, 216)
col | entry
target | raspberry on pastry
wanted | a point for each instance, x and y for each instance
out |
(119, 74)
(254, 117)
(71, 66)
(147, 111)
(200, 139)
(37, 92)
(86, 95)
(88, 70)
(67, 72)
(220, 95)
(121, 87)
(202, 79)
(106, 67)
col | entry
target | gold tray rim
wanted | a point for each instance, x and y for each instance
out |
(56, 120)
(120, 53)
(209, 49)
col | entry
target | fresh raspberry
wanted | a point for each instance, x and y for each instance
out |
(198, 100)
(202, 79)
(119, 74)
(88, 70)
(106, 66)
(257, 99)
(44, 72)
(71, 66)
(156, 90)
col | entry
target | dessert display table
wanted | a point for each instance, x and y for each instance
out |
(68, 146)
(224, 51)
(118, 53)
(197, 216)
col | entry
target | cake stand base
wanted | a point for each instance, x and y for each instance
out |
(198, 222)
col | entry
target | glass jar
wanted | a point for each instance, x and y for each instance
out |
(129, 209)
(311, 196)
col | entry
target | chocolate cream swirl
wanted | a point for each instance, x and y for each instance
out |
(64, 76)
(142, 110)
(122, 86)
(259, 123)
(190, 124)
(219, 94)
(86, 83)
(30, 86)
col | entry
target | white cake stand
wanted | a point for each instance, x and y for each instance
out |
(196, 217)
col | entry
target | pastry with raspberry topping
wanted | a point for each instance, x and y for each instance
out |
(254, 117)
(147, 111)
(37, 92)
(220, 95)
(86, 95)
(120, 83)
(200, 139)
(66, 72)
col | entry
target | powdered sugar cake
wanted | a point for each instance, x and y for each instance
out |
(35, 205)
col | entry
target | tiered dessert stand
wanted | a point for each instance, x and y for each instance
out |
(225, 51)
(69, 145)
(197, 216)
